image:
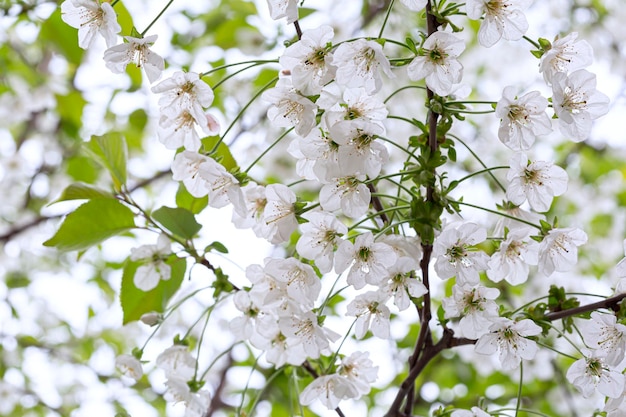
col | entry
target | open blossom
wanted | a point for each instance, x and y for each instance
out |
(439, 63)
(91, 17)
(283, 8)
(350, 105)
(305, 330)
(368, 260)
(577, 103)
(509, 339)
(196, 403)
(360, 63)
(184, 91)
(130, 366)
(299, 280)
(454, 254)
(289, 108)
(475, 306)
(474, 412)
(329, 390)
(592, 373)
(153, 268)
(513, 259)
(308, 60)
(319, 238)
(565, 55)
(559, 250)
(522, 119)
(359, 369)
(348, 193)
(186, 168)
(135, 50)
(371, 313)
(359, 151)
(503, 19)
(537, 181)
(401, 284)
(176, 360)
(279, 213)
(602, 332)
(179, 130)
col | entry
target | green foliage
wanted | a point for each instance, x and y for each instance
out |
(81, 191)
(179, 221)
(92, 223)
(110, 151)
(136, 302)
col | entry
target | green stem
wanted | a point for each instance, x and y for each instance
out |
(499, 213)
(241, 112)
(169, 3)
(480, 161)
(533, 43)
(519, 390)
(267, 150)
(420, 87)
(229, 76)
(482, 171)
(256, 62)
(382, 28)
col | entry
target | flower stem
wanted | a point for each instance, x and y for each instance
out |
(169, 3)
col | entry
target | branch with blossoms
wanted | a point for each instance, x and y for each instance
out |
(373, 213)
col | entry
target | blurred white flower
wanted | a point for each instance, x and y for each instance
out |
(414, 5)
(330, 390)
(279, 214)
(319, 238)
(359, 369)
(129, 366)
(283, 8)
(503, 19)
(176, 360)
(154, 269)
(511, 261)
(289, 108)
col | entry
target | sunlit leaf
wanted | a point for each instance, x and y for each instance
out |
(181, 222)
(111, 152)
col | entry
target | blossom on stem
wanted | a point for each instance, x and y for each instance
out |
(279, 213)
(577, 103)
(186, 168)
(91, 17)
(509, 338)
(454, 254)
(592, 373)
(511, 261)
(129, 366)
(537, 181)
(475, 306)
(153, 268)
(289, 108)
(604, 333)
(135, 50)
(503, 19)
(559, 250)
(305, 330)
(439, 64)
(359, 369)
(176, 360)
(320, 237)
(368, 260)
(283, 8)
(401, 284)
(360, 63)
(414, 5)
(330, 390)
(184, 91)
(308, 60)
(565, 55)
(474, 412)
(522, 119)
(348, 193)
(371, 313)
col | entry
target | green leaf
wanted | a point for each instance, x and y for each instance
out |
(222, 154)
(111, 152)
(82, 191)
(189, 202)
(181, 222)
(136, 302)
(92, 223)
(217, 246)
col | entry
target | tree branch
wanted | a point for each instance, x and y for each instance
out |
(611, 303)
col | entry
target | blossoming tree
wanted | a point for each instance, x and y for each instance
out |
(312, 208)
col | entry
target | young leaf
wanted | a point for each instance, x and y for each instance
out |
(181, 222)
(110, 151)
(136, 302)
(82, 191)
(92, 223)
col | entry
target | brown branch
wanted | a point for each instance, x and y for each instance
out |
(378, 205)
(14, 231)
(216, 401)
(611, 303)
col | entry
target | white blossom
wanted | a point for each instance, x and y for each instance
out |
(309, 60)
(522, 119)
(329, 390)
(176, 360)
(509, 339)
(559, 250)
(401, 284)
(186, 168)
(371, 313)
(305, 330)
(592, 373)
(602, 332)
(129, 366)
(565, 55)
(91, 17)
(348, 193)
(279, 213)
(577, 103)
(153, 268)
(320, 236)
(360, 63)
(289, 108)
(283, 8)
(359, 369)
(537, 181)
(368, 260)
(299, 280)
(184, 91)
(135, 50)
(474, 412)
(414, 5)
(439, 64)
(475, 306)
(455, 256)
(503, 19)
(511, 261)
